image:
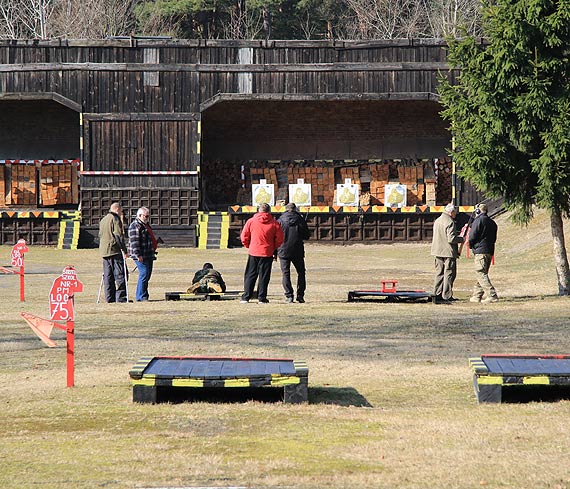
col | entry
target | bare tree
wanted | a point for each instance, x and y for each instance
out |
(25, 18)
(85, 19)
(244, 23)
(385, 19)
(452, 17)
(93, 19)
(10, 27)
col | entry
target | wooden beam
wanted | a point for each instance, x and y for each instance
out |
(226, 68)
(142, 41)
(149, 116)
(30, 96)
(319, 97)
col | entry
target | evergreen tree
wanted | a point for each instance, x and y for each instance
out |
(510, 111)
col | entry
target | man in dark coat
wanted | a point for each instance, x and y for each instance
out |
(112, 249)
(482, 238)
(207, 280)
(292, 251)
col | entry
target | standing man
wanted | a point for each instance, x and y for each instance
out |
(482, 238)
(444, 249)
(142, 249)
(292, 250)
(112, 249)
(261, 235)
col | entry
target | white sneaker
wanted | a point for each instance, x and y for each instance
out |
(243, 301)
(488, 300)
(475, 299)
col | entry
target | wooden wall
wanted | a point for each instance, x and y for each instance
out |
(142, 101)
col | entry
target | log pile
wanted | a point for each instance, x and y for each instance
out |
(2, 186)
(380, 176)
(319, 174)
(22, 185)
(223, 181)
(412, 176)
(425, 183)
(59, 184)
(444, 168)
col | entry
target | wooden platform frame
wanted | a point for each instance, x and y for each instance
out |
(209, 296)
(152, 373)
(493, 373)
(398, 296)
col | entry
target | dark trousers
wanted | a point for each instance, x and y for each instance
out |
(299, 264)
(257, 268)
(114, 279)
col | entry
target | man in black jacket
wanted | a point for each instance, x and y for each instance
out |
(482, 238)
(292, 250)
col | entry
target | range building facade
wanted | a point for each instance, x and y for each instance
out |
(189, 128)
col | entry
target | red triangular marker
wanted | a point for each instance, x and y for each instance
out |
(42, 327)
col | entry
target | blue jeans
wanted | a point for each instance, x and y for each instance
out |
(145, 271)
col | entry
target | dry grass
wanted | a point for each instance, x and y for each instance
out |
(391, 402)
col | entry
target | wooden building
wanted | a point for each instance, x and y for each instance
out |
(186, 127)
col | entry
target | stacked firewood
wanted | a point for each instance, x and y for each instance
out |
(2, 186)
(58, 184)
(319, 174)
(380, 176)
(223, 180)
(350, 172)
(411, 175)
(22, 185)
(443, 171)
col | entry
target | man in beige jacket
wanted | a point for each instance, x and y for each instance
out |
(445, 251)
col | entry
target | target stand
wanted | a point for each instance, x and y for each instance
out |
(155, 377)
(200, 296)
(389, 293)
(496, 375)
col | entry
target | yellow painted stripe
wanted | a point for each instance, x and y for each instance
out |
(145, 381)
(285, 380)
(489, 380)
(187, 383)
(536, 380)
(198, 147)
(237, 383)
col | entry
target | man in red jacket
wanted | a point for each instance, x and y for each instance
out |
(261, 235)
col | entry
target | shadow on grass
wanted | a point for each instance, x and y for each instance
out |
(339, 396)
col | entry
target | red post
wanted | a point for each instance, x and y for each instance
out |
(22, 298)
(17, 255)
(70, 353)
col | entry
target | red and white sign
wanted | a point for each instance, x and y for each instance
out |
(61, 295)
(18, 251)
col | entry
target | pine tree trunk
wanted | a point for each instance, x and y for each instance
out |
(560, 257)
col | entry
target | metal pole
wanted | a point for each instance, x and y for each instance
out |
(126, 276)
(100, 288)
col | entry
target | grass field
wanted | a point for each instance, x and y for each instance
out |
(391, 402)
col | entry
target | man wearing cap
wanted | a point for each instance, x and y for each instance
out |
(445, 252)
(482, 238)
